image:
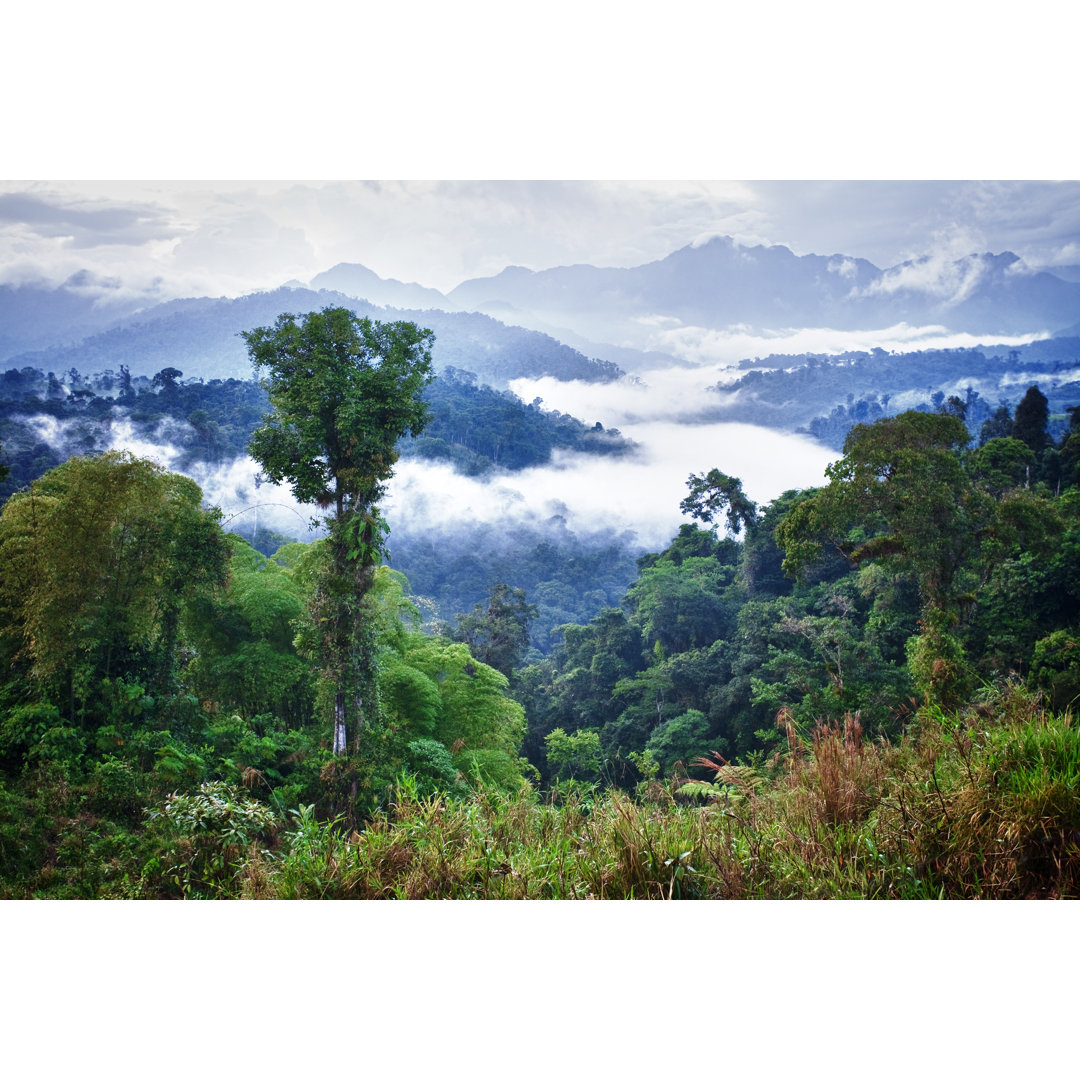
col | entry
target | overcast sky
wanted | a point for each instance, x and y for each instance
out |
(99, 95)
(189, 238)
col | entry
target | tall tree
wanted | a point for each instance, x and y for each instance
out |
(901, 495)
(343, 391)
(497, 634)
(998, 426)
(1029, 423)
(714, 492)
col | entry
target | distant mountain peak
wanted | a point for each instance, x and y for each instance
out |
(713, 240)
(355, 279)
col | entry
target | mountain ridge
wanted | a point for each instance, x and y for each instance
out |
(201, 337)
(719, 284)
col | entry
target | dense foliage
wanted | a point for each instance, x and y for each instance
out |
(203, 429)
(907, 571)
(343, 390)
(477, 429)
(840, 695)
(46, 418)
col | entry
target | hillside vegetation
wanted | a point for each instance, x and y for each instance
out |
(860, 690)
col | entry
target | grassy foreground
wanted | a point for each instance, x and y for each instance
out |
(982, 803)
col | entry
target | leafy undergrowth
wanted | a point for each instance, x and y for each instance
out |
(984, 803)
(980, 803)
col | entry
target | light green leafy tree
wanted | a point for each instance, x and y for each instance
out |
(682, 738)
(97, 561)
(574, 757)
(245, 657)
(471, 715)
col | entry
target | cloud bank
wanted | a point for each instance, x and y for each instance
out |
(583, 493)
(709, 347)
(592, 494)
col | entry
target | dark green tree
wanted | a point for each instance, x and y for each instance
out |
(901, 496)
(497, 633)
(1001, 464)
(1029, 423)
(998, 426)
(712, 493)
(166, 380)
(344, 390)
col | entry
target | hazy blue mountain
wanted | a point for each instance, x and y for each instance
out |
(720, 284)
(36, 316)
(201, 338)
(572, 322)
(1066, 273)
(352, 279)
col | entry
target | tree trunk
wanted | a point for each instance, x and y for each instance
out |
(339, 723)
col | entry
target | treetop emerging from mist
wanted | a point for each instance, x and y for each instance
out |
(344, 389)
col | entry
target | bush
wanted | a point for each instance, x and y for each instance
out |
(204, 838)
(1055, 668)
(432, 766)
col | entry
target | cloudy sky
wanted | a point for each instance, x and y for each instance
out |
(105, 101)
(226, 238)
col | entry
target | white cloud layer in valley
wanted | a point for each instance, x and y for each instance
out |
(592, 494)
(705, 346)
(637, 493)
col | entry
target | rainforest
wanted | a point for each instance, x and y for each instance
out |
(861, 689)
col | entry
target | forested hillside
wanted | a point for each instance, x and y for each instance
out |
(826, 395)
(203, 428)
(865, 597)
(45, 418)
(862, 689)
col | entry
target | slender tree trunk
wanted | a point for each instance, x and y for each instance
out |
(339, 723)
(351, 651)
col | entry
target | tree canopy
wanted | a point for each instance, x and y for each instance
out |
(97, 560)
(343, 391)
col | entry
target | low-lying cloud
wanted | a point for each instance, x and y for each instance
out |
(586, 494)
(684, 394)
(704, 345)
(671, 393)
(638, 494)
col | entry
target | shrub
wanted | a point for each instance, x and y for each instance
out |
(204, 838)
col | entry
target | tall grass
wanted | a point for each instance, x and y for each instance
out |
(980, 803)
